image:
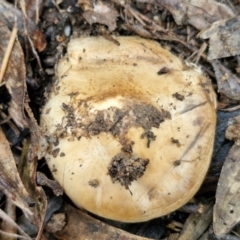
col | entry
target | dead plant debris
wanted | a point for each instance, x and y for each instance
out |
(223, 35)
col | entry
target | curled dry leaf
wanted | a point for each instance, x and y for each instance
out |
(200, 14)
(10, 15)
(10, 182)
(14, 77)
(42, 180)
(227, 207)
(103, 13)
(224, 38)
(79, 223)
(228, 83)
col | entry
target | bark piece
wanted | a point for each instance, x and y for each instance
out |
(227, 207)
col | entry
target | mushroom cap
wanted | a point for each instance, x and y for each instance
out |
(130, 128)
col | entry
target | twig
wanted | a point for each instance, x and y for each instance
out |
(230, 109)
(8, 53)
(35, 52)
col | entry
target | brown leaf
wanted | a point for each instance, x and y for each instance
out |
(27, 168)
(10, 182)
(102, 13)
(10, 15)
(39, 143)
(224, 38)
(39, 40)
(228, 83)
(82, 226)
(14, 77)
(200, 14)
(227, 207)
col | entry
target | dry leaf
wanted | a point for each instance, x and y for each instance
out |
(39, 143)
(228, 83)
(200, 14)
(227, 207)
(10, 182)
(14, 77)
(10, 15)
(102, 13)
(197, 223)
(33, 9)
(28, 164)
(82, 226)
(224, 38)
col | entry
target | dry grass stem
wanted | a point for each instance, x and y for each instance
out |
(8, 53)
(6, 218)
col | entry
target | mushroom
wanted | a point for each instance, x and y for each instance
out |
(130, 128)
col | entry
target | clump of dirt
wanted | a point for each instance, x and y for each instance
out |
(113, 120)
(70, 115)
(178, 96)
(125, 168)
(119, 121)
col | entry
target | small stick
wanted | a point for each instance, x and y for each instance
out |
(230, 109)
(8, 53)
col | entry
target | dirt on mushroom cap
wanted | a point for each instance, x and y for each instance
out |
(113, 103)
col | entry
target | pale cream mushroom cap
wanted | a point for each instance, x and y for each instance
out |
(138, 79)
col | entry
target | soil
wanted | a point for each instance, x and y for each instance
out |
(125, 168)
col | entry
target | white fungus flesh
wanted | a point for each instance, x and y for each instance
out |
(130, 128)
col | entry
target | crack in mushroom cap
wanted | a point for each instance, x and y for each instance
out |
(138, 102)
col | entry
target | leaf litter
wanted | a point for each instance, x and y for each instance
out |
(185, 27)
